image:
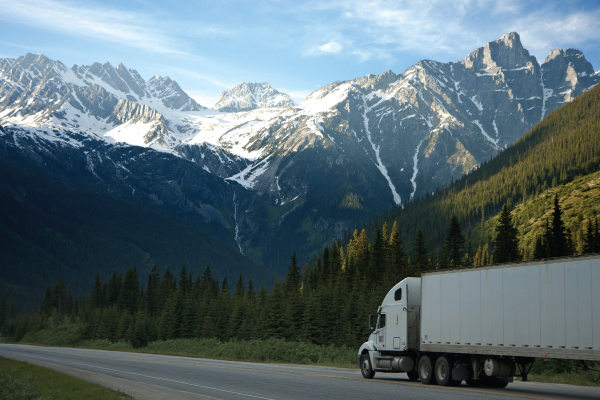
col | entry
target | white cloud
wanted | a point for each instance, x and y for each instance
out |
(205, 78)
(103, 24)
(331, 47)
(542, 31)
(379, 29)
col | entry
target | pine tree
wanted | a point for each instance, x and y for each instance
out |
(558, 246)
(454, 244)
(97, 298)
(152, 291)
(3, 311)
(506, 245)
(293, 278)
(130, 291)
(397, 256)
(589, 239)
(377, 258)
(114, 289)
(421, 253)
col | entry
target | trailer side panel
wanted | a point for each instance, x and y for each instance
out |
(541, 308)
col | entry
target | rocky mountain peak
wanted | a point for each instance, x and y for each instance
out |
(377, 82)
(566, 74)
(505, 53)
(249, 96)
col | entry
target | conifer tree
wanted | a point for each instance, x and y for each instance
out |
(152, 292)
(130, 291)
(421, 254)
(454, 244)
(293, 278)
(3, 312)
(97, 298)
(114, 289)
(377, 258)
(506, 244)
(558, 244)
(397, 255)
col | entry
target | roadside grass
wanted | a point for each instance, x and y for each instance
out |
(570, 378)
(269, 350)
(62, 335)
(22, 381)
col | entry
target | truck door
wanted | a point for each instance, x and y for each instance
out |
(380, 332)
(398, 321)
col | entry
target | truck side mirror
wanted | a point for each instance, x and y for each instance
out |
(372, 321)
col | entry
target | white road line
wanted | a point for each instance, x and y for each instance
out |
(154, 377)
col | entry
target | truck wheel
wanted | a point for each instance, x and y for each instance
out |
(413, 375)
(425, 370)
(443, 373)
(366, 368)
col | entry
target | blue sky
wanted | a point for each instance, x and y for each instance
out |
(296, 46)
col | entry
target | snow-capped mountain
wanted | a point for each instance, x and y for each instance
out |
(250, 96)
(310, 171)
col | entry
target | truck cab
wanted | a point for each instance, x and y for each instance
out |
(395, 329)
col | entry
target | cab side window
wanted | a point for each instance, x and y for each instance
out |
(381, 323)
(398, 294)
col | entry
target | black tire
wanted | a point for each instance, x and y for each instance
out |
(365, 367)
(425, 371)
(413, 375)
(443, 372)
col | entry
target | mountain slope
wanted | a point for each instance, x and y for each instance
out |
(98, 208)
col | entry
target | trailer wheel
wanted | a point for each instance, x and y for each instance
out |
(413, 375)
(365, 367)
(425, 370)
(443, 372)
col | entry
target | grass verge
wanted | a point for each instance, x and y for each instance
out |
(269, 350)
(23, 381)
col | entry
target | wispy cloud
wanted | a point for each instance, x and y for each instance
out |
(205, 78)
(379, 29)
(102, 24)
(548, 29)
(331, 47)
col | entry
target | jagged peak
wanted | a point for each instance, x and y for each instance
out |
(554, 53)
(511, 39)
(247, 96)
(506, 52)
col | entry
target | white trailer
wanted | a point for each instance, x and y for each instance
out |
(485, 325)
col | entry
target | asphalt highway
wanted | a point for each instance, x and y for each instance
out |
(149, 376)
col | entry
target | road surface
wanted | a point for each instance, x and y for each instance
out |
(149, 376)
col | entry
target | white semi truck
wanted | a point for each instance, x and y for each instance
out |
(485, 325)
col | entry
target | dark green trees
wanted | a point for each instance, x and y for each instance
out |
(506, 245)
(420, 252)
(454, 245)
(555, 240)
